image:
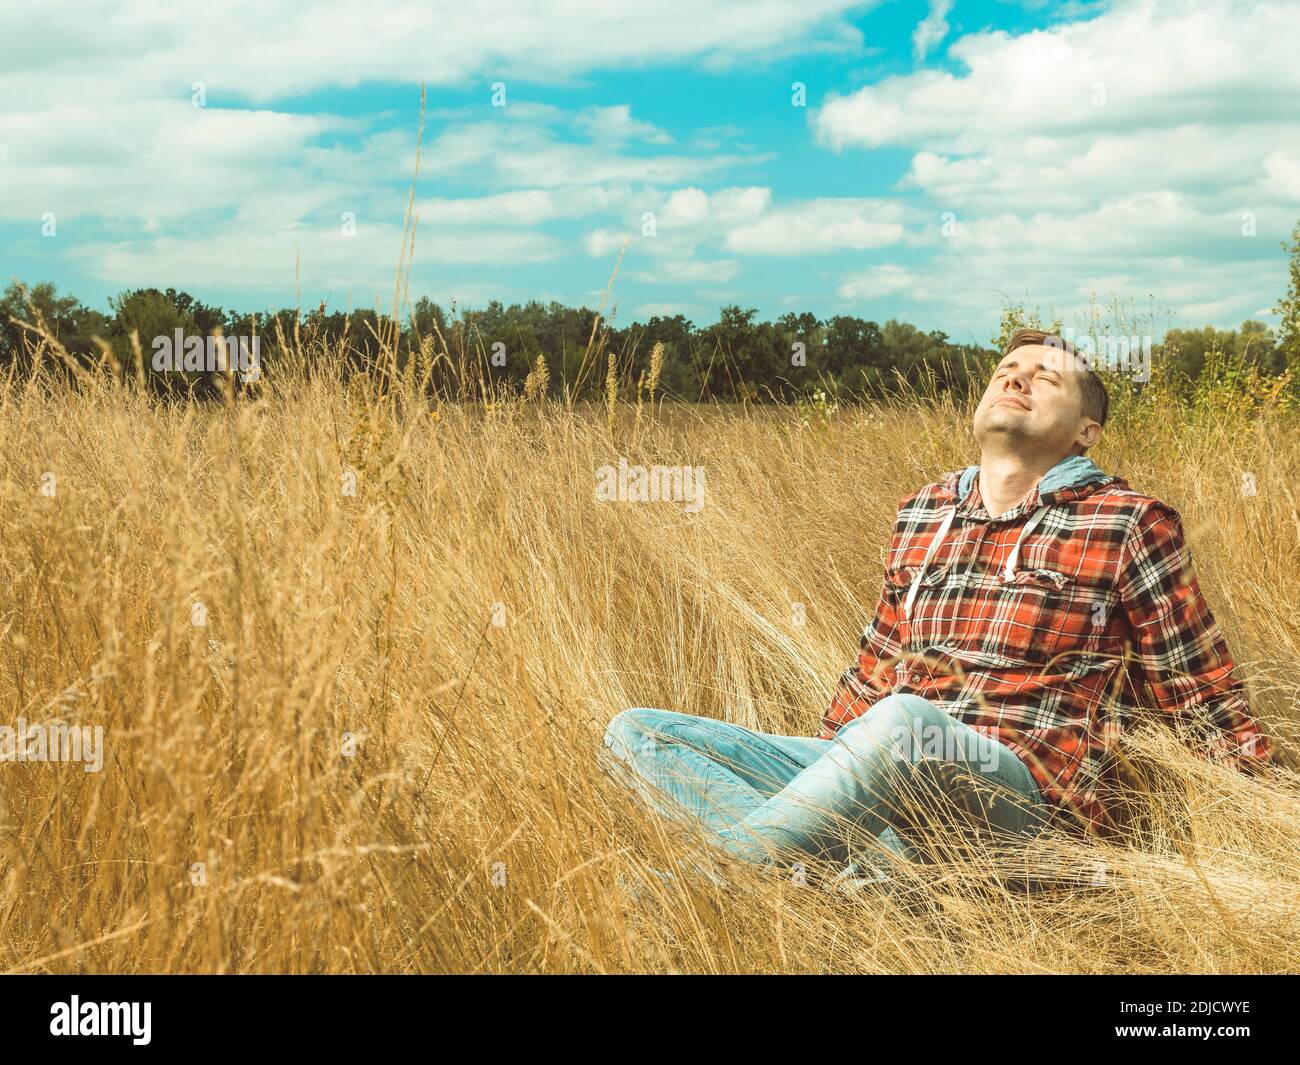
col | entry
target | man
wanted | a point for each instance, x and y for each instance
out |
(1026, 603)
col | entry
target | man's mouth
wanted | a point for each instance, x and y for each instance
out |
(1012, 399)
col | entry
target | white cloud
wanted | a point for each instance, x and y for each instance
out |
(683, 220)
(1283, 169)
(932, 29)
(515, 151)
(602, 242)
(249, 50)
(690, 270)
(97, 124)
(817, 226)
(166, 160)
(1077, 173)
(686, 207)
(617, 124)
(661, 310)
(883, 280)
(1144, 97)
(693, 208)
(1120, 149)
(522, 207)
(256, 260)
(1156, 65)
(1054, 264)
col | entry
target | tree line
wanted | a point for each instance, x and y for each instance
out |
(501, 348)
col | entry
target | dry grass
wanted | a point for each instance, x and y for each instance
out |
(472, 829)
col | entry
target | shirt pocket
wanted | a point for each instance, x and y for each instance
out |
(922, 625)
(897, 581)
(1032, 617)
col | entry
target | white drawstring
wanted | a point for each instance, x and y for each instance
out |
(929, 554)
(1008, 571)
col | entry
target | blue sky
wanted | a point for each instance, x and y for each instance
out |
(950, 155)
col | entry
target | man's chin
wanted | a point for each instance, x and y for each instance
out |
(1003, 422)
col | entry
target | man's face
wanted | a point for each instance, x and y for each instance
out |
(1035, 401)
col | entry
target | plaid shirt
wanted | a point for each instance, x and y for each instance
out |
(1101, 600)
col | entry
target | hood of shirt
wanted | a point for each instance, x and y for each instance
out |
(1074, 477)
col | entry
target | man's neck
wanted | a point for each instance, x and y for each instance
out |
(1005, 480)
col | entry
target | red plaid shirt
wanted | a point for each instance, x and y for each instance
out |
(1101, 601)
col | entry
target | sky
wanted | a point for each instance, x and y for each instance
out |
(928, 160)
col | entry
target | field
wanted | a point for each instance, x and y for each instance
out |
(353, 652)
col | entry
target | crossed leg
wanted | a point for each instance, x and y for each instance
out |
(759, 795)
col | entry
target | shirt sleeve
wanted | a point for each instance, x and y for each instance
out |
(868, 680)
(1180, 653)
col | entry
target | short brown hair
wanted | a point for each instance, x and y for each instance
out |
(1092, 389)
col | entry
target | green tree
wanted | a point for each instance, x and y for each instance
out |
(72, 324)
(149, 314)
(1289, 306)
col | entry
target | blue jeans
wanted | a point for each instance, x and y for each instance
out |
(758, 795)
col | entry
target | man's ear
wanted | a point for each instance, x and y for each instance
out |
(1088, 436)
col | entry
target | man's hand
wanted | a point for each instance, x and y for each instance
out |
(1244, 757)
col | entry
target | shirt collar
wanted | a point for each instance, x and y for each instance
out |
(1069, 478)
(973, 505)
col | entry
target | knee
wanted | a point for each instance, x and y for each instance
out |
(909, 710)
(895, 725)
